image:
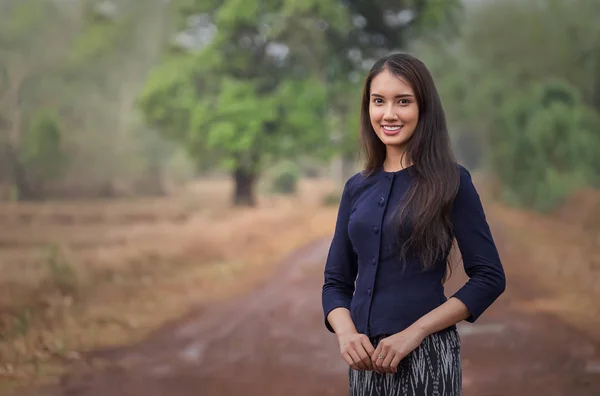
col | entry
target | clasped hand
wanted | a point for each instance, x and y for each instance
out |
(360, 354)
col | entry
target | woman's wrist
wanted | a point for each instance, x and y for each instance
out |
(346, 332)
(345, 328)
(341, 322)
(420, 327)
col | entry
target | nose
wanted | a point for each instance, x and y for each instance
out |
(390, 114)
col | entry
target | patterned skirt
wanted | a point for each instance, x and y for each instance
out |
(433, 369)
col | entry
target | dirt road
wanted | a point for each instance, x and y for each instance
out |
(272, 342)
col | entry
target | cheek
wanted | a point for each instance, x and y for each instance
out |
(411, 115)
(375, 113)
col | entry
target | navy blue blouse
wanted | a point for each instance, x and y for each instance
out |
(364, 274)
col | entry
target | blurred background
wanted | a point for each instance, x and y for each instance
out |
(170, 172)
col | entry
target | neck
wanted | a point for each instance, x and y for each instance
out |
(395, 159)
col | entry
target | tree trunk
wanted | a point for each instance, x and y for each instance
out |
(244, 187)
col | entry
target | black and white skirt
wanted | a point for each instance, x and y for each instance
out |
(433, 369)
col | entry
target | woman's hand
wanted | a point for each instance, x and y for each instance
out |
(356, 349)
(393, 349)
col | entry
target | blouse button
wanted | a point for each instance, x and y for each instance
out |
(369, 292)
(373, 261)
(375, 229)
(381, 201)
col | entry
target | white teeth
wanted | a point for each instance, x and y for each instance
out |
(391, 128)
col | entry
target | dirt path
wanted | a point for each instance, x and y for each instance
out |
(272, 342)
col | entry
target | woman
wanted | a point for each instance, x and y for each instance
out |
(383, 294)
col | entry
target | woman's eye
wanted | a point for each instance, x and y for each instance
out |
(378, 100)
(404, 101)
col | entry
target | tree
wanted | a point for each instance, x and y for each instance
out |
(547, 39)
(42, 153)
(116, 44)
(83, 61)
(243, 96)
(531, 106)
(545, 145)
(259, 80)
(25, 30)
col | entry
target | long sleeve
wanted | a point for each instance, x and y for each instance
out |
(480, 257)
(341, 265)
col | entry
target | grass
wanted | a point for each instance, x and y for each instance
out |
(84, 275)
(557, 252)
(562, 258)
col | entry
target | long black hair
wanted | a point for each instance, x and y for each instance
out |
(428, 202)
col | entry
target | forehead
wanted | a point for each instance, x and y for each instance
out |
(388, 84)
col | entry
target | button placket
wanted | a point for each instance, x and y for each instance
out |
(380, 205)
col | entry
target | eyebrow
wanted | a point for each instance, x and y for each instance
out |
(395, 97)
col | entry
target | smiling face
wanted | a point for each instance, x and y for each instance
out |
(393, 111)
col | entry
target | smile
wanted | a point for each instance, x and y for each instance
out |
(391, 129)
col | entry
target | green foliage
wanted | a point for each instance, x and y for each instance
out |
(42, 153)
(285, 180)
(233, 122)
(275, 81)
(97, 39)
(88, 64)
(232, 102)
(235, 100)
(168, 98)
(547, 39)
(545, 145)
(530, 106)
(23, 20)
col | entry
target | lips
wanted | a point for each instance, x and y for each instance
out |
(391, 130)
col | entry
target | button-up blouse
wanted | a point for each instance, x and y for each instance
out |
(363, 271)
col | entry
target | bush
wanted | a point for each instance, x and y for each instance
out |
(62, 275)
(332, 199)
(286, 178)
(545, 146)
(42, 153)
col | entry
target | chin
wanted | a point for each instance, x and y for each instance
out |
(393, 140)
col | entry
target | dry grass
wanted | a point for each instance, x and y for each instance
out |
(559, 253)
(81, 275)
(562, 258)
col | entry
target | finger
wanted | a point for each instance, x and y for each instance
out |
(364, 356)
(375, 354)
(396, 362)
(348, 359)
(366, 343)
(387, 361)
(357, 361)
(379, 358)
(386, 352)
